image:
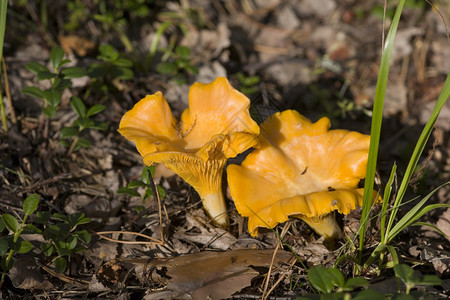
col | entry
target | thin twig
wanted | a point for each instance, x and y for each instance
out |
(44, 182)
(155, 241)
(64, 277)
(280, 279)
(442, 18)
(158, 197)
(72, 146)
(266, 283)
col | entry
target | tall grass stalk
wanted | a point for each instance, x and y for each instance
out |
(391, 229)
(423, 139)
(376, 123)
(3, 9)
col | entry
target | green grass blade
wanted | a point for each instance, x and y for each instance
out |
(394, 254)
(408, 220)
(157, 37)
(431, 226)
(415, 213)
(423, 139)
(375, 255)
(3, 8)
(387, 196)
(376, 121)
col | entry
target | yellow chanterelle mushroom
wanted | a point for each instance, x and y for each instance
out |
(216, 126)
(303, 170)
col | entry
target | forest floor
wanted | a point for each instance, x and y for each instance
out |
(318, 57)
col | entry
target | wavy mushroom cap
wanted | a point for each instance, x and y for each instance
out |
(151, 125)
(301, 169)
(214, 108)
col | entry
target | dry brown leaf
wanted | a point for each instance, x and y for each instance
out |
(26, 275)
(102, 250)
(82, 46)
(444, 223)
(313, 253)
(216, 275)
(211, 236)
(225, 285)
(438, 257)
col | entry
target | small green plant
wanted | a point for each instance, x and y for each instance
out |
(145, 182)
(330, 282)
(58, 76)
(172, 22)
(110, 21)
(325, 280)
(412, 279)
(114, 66)
(13, 243)
(380, 12)
(347, 107)
(78, 14)
(83, 122)
(175, 63)
(61, 233)
(249, 84)
(111, 15)
(63, 236)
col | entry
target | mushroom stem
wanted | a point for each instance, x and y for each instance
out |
(214, 204)
(325, 225)
(205, 176)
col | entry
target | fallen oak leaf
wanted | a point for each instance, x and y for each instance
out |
(216, 275)
(26, 275)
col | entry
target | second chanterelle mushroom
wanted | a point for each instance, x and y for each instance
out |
(303, 170)
(216, 126)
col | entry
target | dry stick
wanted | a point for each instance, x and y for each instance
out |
(159, 242)
(280, 279)
(3, 113)
(8, 92)
(158, 197)
(442, 17)
(155, 241)
(44, 182)
(72, 146)
(266, 283)
(64, 277)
